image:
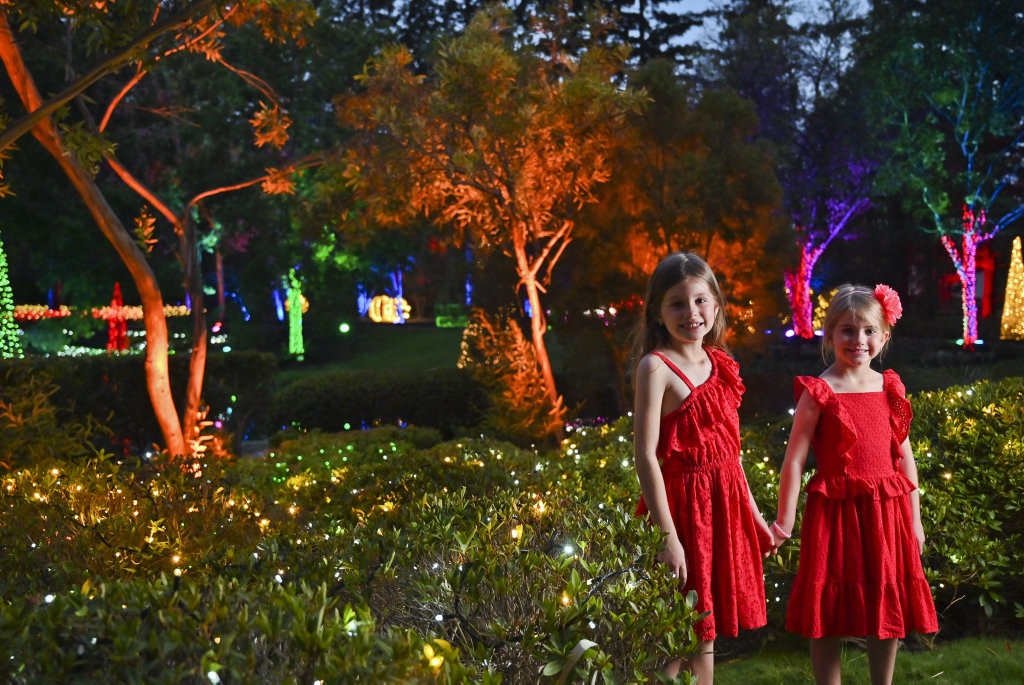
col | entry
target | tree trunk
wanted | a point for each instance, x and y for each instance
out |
(798, 286)
(193, 283)
(45, 131)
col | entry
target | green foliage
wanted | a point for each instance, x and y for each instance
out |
(34, 429)
(503, 361)
(969, 446)
(112, 390)
(370, 556)
(446, 399)
(390, 555)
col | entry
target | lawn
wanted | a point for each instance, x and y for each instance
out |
(967, 661)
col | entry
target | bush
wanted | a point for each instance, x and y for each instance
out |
(969, 446)
(337, 558)
(449, 400)
(390, 555)
(34, 429)
(111, 390)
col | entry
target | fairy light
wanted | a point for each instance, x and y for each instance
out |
(10, 343)
(1012, 325)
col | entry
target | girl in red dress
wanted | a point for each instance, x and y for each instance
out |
(687, 454)
(861, 537)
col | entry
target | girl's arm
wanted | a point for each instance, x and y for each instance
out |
(765, 538)
(650, 389)
(909, 468)
(805, 420)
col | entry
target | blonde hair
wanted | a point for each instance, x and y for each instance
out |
(650, 333)
(860, 301)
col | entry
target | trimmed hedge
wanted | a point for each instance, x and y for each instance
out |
(449, 400)
(111, 390)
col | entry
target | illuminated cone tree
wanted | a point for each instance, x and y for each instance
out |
(10, 342)
(1012, 327)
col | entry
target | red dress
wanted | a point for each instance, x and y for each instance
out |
(860, 570)
(699, 452)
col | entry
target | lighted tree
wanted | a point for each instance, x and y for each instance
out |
(794, 75)
(296, 346)
(691, 175)
(10, 341)
(954, 93)
(503, 143)
(131, 41)
(1012, 327)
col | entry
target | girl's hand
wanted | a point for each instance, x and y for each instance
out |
(778, 536)
(919, 535)
(674, 557)
(765, 538)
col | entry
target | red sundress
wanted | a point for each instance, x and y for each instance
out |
(699, 451)
(860, 570)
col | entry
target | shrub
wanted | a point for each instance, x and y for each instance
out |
(35, 430)
(111, 390)
(969, 447)
(446, 399)
(505, 364)
(473, 555)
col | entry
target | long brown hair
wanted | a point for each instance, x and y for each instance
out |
(650, 334)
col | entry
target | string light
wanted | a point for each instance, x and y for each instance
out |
(10, 343)
(1012, 327)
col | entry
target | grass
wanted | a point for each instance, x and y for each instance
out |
(377, 346)
(966, 661)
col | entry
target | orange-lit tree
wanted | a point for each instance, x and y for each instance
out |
(692, 176)
(502, 141)
(128, 41)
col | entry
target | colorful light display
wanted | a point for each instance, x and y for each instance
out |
(386, 309)
(10, 334)
(1012, 325)
(295, 343)
(964, 259)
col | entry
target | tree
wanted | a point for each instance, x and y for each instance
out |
(951, 92)
(503, 143)
(10, 344)
(795, 77)
(1012, 325)
(131, 38)
(691, 175)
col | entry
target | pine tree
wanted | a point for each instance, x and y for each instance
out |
(10, 344)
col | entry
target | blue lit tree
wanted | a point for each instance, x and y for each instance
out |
(951, 89)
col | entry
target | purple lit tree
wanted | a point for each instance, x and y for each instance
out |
(795, 75)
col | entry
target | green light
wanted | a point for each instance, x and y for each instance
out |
(344, 327)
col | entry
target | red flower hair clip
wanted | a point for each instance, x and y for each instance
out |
(890, 301)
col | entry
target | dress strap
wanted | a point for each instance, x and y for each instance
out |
(675, 368)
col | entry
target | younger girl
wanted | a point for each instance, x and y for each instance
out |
(687, 454)
(861, 537)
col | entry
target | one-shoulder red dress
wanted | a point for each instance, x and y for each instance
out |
(699, 451)
(860, 570)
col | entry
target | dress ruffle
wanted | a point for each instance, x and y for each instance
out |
(900, 416)
(845, 487)
(821, 392)
(705, 406)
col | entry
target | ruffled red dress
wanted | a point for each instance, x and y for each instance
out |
(699, 452)
(860, 570)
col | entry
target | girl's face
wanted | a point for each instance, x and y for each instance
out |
(856, 341)
(688, 310)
